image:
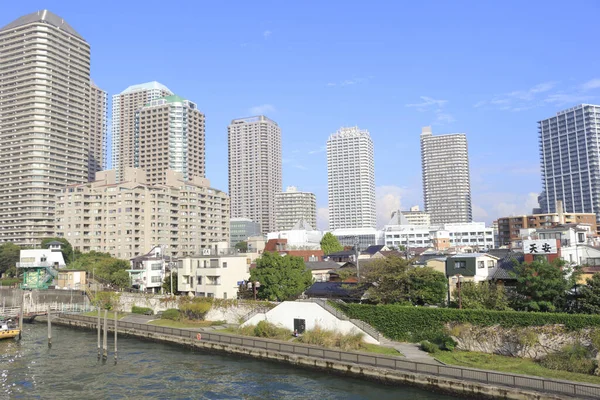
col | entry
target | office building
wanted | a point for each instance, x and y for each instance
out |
(129, 218)
(570, 160)
(169, 135)
(254, 169)
(446, 178)
(125, 106)
(241, 229)
(351, 180)
(98, 131)
(44, 122)
(292, 206)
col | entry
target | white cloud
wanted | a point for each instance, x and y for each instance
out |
(490, 206)
(300, 166)
(267, 34)
(562, 98)
(261, 109)
(427, 102)
(350, 82)
(444, 118)
(387, 199)
(322, 218)
(479, 214)
(321, 149)
(592, 84)
(330, 84)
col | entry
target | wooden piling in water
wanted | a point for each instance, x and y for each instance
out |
(99, 325)
(115, 336)
(49, 328)
(104, 344)
(21, 314)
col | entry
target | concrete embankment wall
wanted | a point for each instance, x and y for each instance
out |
(11, 297)
(250, 347)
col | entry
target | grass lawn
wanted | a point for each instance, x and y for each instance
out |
(184, 324)
(111, 315)
(9, 281)
(375, 348)
(509, 364)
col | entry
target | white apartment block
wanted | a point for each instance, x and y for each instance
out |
(44, 121)
(254, 169)
(216, 272)
(148, 271)
(459, 235)
(292, 206)
(98, 131)
(169, 135)
(351, 179)
(128, 219)
(361, 237)
(446, 178)
(125, 105)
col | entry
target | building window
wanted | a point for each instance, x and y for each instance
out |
(224, 295)
(199, 279)
(156, 279)
(460, 264)
(480, 264)
(210, 295)
(224, 264)
(156, 267)
(491, 264)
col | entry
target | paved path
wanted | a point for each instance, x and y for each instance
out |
(138, 318)
(410, 350)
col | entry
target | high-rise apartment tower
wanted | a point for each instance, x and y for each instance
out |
(351, 179)
(294, 205)
(98, 131)
(169, 134)
(44, 121)
(254, 169)
(446, 177)
(570, 160)
(124, 108)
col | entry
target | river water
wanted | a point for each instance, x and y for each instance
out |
(71, 370)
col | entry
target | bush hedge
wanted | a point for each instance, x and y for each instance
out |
(141, 310)
(170, 313)
(414, 324)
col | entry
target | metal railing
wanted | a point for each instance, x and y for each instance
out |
(575, 389)
(256, 311)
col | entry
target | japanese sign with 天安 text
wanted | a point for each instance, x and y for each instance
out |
(540, 246)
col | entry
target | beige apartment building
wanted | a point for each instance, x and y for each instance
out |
(294, 205)
(170, 136)
(254, 169)
(129, 218)
(97, 131)
(125, 106)
(44, 121)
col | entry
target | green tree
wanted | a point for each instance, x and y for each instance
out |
(167, 283)
(543, 285)
(120, 279)
(9, 256)
(394, 280)
(330, 244)
(589, 296)
(67, 249)
(242, 247)
(280, 278)
(482, 296)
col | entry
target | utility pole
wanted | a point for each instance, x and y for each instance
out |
(356, 242)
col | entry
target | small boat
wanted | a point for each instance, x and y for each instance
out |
(8, 329)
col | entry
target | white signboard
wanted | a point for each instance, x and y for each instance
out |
(540, 246)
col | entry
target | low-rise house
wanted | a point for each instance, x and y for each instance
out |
(40, 266)
(341, 256)
(148, 271)
(322, 270)
(471, 267)
(217, 273)
(71, 279)
(348, 292)
(373, 251)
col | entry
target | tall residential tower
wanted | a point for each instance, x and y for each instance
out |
(254, 169)
(294, 205)
(98, 131)
(169, 134)
(44, 122)
(446, 178)
(351, 179)
(124, 108)
(570, 160)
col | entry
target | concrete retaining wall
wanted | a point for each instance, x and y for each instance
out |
(433, 383)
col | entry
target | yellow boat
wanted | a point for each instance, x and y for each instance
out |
(9, 333)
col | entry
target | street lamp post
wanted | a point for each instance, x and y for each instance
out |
(458, 279)
(356, 242)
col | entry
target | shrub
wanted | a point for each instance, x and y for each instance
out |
(573, 358)
(247, 330)
(319, 337)
(445, 342)
(595, 339)
(195, 309)
(414, 324)
(269, 330)
(141, 310)
(429, 347)
(527, 337)
(350, 341)
(171, 313)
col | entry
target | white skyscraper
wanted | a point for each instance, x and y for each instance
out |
(446, 178)
(351, 179)
(124, 108)
(254, 169)
(294, 205)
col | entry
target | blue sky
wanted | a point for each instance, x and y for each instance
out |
(488, 69)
